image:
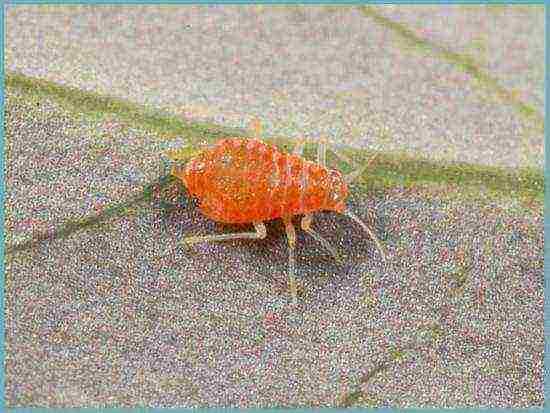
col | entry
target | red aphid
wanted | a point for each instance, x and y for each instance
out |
(245, 180)
(241, 181)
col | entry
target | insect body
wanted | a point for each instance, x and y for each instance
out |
(242, 181)
(247, 181)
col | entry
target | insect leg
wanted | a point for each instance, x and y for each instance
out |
(299, 148)
(259, 234)
(256, 126)
(306, 226)
(322, 152)
(291, 236)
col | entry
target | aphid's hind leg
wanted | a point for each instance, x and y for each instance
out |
(291, 237)
(306, 226)
(256, 126)
(299, 148)
(322, 152)
(259, 234)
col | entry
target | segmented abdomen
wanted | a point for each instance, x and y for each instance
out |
(246, 180)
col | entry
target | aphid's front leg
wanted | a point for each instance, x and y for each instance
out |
(306, 226)
(259, 234)
(291, 236)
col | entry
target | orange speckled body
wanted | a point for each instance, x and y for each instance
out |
(246, 180)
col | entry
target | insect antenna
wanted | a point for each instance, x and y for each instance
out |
(358, 170)
(353, 175)
(356, 219)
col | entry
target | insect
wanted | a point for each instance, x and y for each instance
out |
(243, 181)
